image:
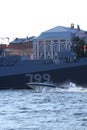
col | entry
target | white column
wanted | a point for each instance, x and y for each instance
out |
(44, 49)
(51, 49)
(59, 45)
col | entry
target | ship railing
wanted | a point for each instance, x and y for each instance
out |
(39, 61)
(8, 60)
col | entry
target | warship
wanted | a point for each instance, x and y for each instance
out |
(57, 60)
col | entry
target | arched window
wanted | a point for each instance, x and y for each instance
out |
(55, 47)
(41, 48)
(48, 48)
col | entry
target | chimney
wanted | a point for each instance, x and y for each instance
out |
(72, 25)
(78, 27)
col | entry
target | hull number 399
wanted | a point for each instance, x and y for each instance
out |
(39, 77)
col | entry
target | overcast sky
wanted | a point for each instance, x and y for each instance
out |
(22, 18)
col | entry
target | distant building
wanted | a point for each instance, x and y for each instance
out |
(22, 46)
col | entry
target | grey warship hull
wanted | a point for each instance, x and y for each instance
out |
(16, 77)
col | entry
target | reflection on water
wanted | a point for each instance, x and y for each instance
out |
(62, 109)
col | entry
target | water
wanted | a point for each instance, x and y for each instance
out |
(62, 109)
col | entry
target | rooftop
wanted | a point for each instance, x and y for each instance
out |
(59, 31)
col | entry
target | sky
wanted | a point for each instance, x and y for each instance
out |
(22, 18)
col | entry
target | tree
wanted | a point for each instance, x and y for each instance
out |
(78, 46)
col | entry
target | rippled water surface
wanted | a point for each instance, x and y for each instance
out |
(60, 110)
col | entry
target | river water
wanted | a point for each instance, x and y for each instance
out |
(62, 109)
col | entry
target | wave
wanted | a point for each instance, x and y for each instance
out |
(67, 87)
(72, 87)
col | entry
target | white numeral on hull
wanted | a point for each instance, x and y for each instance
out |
(39, 77)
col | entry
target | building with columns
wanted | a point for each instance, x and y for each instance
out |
(55, 40)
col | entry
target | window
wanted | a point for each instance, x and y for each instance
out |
(48, 48)
(62, 44)
(41, 48)
(55, 47)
